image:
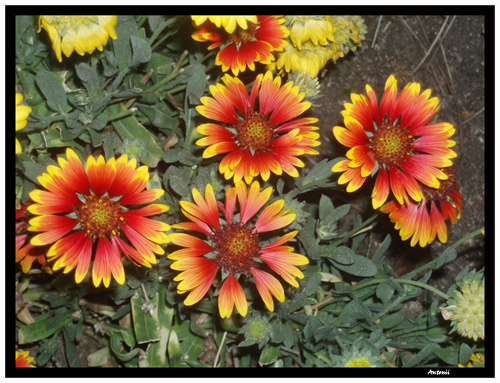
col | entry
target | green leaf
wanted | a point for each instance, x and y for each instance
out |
(33, 170)
(391, 320)
(115, 343)
(87, 75)
(465, 354)
(196, 72)
(384, 292)
(448, 355)
(379, 253)
(354, 310)
(69, 347)
(99, 358)
(174, 350)
(362, 267)
(421, 356)
(141, 51)
(318, 175)
(158, 116)
(39, 330)
(155, 21)
(269, 355)
(146, 326)
(449, 255)
(52, 90)
(341, 254)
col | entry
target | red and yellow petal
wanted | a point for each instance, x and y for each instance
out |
(251, 202)
(271, 219)
(266, 285)
(101, 174)
(231, 294)
(107, 262)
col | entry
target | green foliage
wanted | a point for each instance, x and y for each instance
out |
(138, 97)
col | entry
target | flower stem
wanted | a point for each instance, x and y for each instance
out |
(356, 229)
(424, 286)
(160, 29)
(174, 73)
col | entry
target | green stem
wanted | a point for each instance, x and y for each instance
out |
(160, 29)
(174, 73)
(356, 229)
(434, 261)
(424, 286)
(179, 88)
(323, 358)
(142, 20)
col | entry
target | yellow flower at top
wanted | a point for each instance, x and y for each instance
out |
(229, 23)
(318, 29)
(22, 113)
(82, 34)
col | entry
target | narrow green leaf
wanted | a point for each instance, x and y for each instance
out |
(70, 349)
(448, 355)
(38, 330)
(362, 267)
(379, 253)
(421, 355)
(384, 292)
(449, 255)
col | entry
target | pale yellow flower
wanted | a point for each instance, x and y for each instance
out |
(317, 29)
(22, 113)
(468, 313)
(82, 34)
(229, 23)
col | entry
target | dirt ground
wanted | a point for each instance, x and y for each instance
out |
(455, 72)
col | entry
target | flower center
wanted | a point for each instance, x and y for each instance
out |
(100, 216)
(236, 246)
(255, 132)
(446, 187)
(391, 143)
(243, 35)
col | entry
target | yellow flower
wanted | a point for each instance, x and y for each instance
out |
(310, 59)
(358, 362)
(477, 360)
(468, 313)
(317, 29)
(82, 34)
(229, 23)
(22, 113)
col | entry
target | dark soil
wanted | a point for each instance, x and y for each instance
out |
(455, 72)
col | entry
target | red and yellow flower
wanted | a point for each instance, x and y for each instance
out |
(424, 220)
(244, 46)
(23, 360)
(235, 247)
(92, 213)
(26, 253)
(394, 138)
(258, 139)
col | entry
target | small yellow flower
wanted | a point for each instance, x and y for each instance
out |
(477, 360)
(22, 113)
(82, 34)
(229, 23)
(468, 313)
(358, 362)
